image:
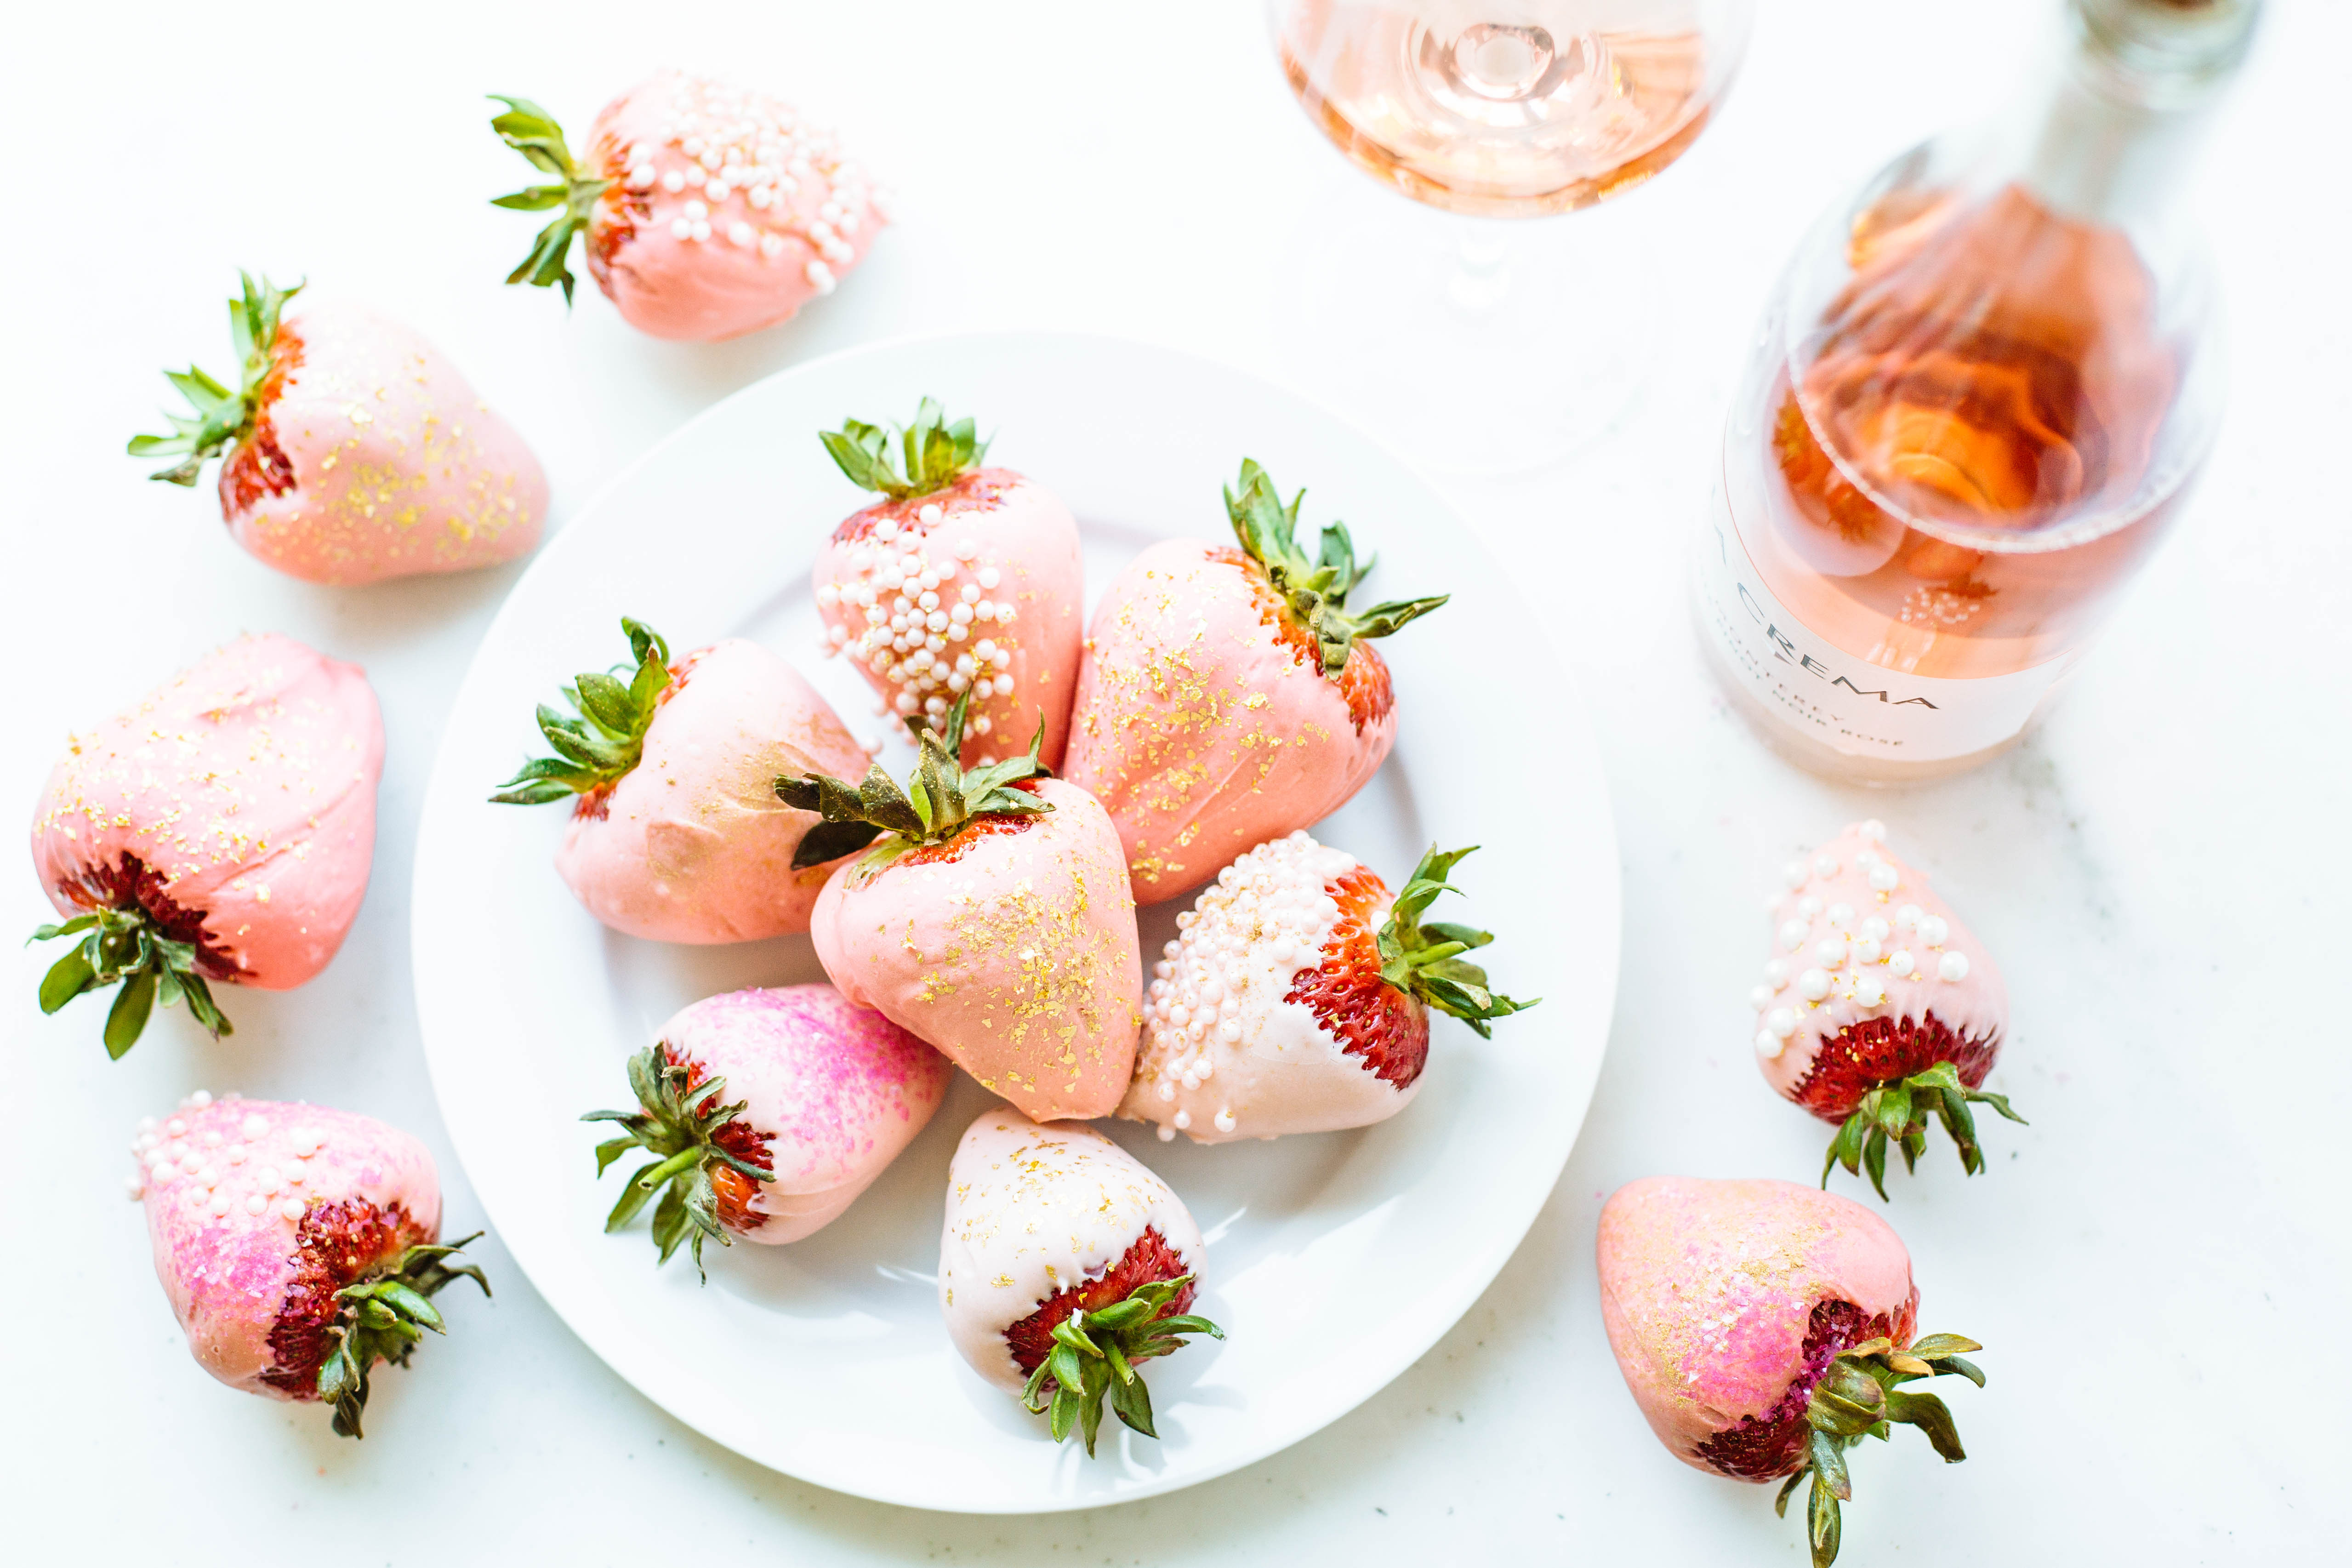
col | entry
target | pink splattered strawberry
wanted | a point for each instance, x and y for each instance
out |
(1229, 696)
(710, 210)
(1063, 1265)
(961, 581)
(218, 831)
(826, 1095)
(352, 450)
(1765, 1327)
(1296, 997)
(988, 914)
(299, 1246)
(677, 834)
(1879, 1010)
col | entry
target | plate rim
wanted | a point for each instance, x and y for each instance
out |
(1437, 1319)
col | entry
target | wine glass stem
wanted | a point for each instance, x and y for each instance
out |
(1480, 278)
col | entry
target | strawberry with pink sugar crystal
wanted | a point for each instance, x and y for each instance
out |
(1765, 1327)
(352, 450)
(962, 581)
(1229, 696)
(766, 1113)
(1879, 1010)
(708, 210)
(299, 1246)
(219, 831)
(987, 913)
(676, 831)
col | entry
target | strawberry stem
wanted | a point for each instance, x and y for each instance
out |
(598, 748)
(1897, 1112)
(1862, 1396)
(675, 1125)
(221, 416)
(937, 453)
(1098, 1352)
(1315, 591)
(383, 1317)
(122, 945)
(533, 132)
(1424, 961)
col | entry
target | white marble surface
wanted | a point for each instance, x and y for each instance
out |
(2157, 1266)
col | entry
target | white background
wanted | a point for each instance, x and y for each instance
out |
(2157, 1266)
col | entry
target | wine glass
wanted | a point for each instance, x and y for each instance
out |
(1496, 108)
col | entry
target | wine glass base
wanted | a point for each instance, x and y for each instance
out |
(1478, 346)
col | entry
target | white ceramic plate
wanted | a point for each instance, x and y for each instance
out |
(1334, 1260)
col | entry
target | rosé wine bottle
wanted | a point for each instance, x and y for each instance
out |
(1976, 404)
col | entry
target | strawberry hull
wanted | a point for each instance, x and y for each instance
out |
(237, 801)
(370, 457)
(692, 845)
(1013, 952)
(1206, 724)
(987, 543)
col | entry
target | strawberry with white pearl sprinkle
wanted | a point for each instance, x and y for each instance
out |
(1879, 1010)
(1296, 998)
(708, 210)
(963, 582)
(299, 1246)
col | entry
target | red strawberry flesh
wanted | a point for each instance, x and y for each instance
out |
(1773, 1444)
(1148, 1259)
(338, 1243)
(1363, 682)
(257, 466)
(738, 1138)
(129, 881)
(1878, 1051)
(1370, 1017)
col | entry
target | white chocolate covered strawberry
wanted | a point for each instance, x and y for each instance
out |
(1879, 1010)
(1228, 696)
(1296, 997)
(1065, 1264)
(708, 210)
(987, 913)
(767, 1112)
(1764, 1329)
(961, 581)
(354, 451)
(299, 1246)
(677, 834)
(218, 831)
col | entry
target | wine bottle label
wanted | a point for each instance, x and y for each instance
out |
(1847, 703)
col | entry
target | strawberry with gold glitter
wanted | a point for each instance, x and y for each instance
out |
(218, 831)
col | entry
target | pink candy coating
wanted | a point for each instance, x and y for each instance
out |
(693, 844)
(249, 785)
(1707, 1288)
(398, 469)
(839, 1089)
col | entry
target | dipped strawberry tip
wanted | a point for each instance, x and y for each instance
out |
(222, 415)
(1315, 590)
(937, 453)
(533, 132)
(674, 1124)
(941, 798)
(1898, 1113)
(1862, 1395)
(1096, 1353)
(123, 946)
(383, 1318)
(1423, 959)
(596, 747)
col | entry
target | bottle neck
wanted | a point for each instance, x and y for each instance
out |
(2119, 118)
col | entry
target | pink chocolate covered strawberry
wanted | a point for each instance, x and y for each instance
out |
(677, 834)
(1296, 998)
(708, 210)
(987, 913)
(352, 451)
(1879, 1010)
(1065, 1265)
(1227, 697)
(299, 1246)
(218, 831)
(1765, 1327)
(824, 1096)
(962, 580)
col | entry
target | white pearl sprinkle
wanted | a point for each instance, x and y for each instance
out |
(1875, 929)
(1934, 929)
(1952, 966)
(1869, 991)
(291, 1208)
(1873, 829)
(253, 1126)
(1830, 951)
(1813, 985)
(202, 1097)
(1776, 973)
(1782, 1021)
(1906, 917)
(219, 1203)
(990, 577)
(1883, 879)
(1840, 915)
(256, 1204)
(1809, 906)
(1866, 952)
(1825, 866)
(1183, 1118)
(1761, 997)
(1793, 873)
(1225, 1121)
(1167, 1133)
(1792, 934)
(1769, 1045)
(1900, 963)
